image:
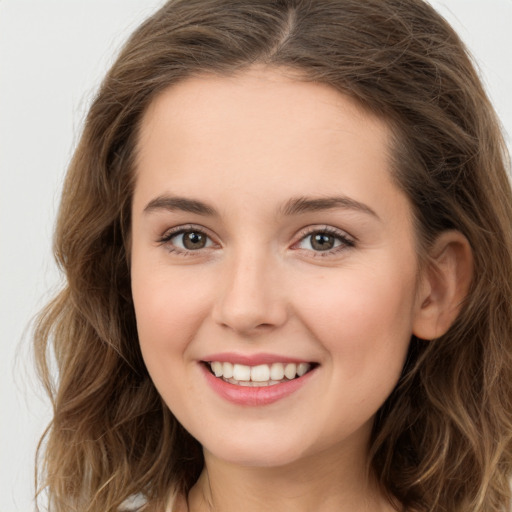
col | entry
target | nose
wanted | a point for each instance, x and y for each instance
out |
(251, 297)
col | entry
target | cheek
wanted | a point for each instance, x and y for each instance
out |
(169, 308)
(363, 319)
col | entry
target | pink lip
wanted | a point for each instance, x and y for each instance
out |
(253, 359)
(253, 396)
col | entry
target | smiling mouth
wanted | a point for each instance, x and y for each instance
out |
(260, 375)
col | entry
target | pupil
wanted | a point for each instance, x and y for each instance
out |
(322, 242)
(194, 240)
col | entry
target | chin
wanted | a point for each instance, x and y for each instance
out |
(256, 452)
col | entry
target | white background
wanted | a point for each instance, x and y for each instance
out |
(53, 53)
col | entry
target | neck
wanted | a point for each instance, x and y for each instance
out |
(322, 483)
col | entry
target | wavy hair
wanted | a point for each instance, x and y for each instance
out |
(442, 442)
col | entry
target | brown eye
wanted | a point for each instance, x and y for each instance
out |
(194, 240)
(326, 241)
(189, 240)
(322, 241)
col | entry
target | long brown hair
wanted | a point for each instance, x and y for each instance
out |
(443, 440)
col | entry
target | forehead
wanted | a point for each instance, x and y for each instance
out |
(258, 132)
(246, 99)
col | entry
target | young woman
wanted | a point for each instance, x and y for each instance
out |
(286, 233)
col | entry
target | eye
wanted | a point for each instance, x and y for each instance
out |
(187, 239)
(190, 240)
(325, 240)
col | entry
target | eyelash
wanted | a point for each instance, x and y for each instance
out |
(338, 235)
(346, 241)
(181, 230)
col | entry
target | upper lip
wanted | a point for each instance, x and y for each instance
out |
(253, 359)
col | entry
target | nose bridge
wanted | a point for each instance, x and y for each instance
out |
(250, 297)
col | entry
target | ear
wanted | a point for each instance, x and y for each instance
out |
(444, 285)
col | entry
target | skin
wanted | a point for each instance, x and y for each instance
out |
(245, 146)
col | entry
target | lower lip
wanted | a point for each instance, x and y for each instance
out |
(253, 395)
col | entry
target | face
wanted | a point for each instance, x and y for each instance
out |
(274, 272)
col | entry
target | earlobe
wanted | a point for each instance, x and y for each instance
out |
(444, 285)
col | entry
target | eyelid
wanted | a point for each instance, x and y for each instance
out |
(183, 228)
(347, 241)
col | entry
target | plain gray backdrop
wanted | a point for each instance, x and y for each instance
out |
(53, 53)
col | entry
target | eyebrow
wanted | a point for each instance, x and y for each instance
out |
(300, 205)
(294, 206)
(183, 204)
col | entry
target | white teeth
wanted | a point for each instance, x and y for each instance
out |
(241, 372)
(217, 369)
(260, 375)
(290, 370)
(302, 369)
(227, 370)
(277, 371)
